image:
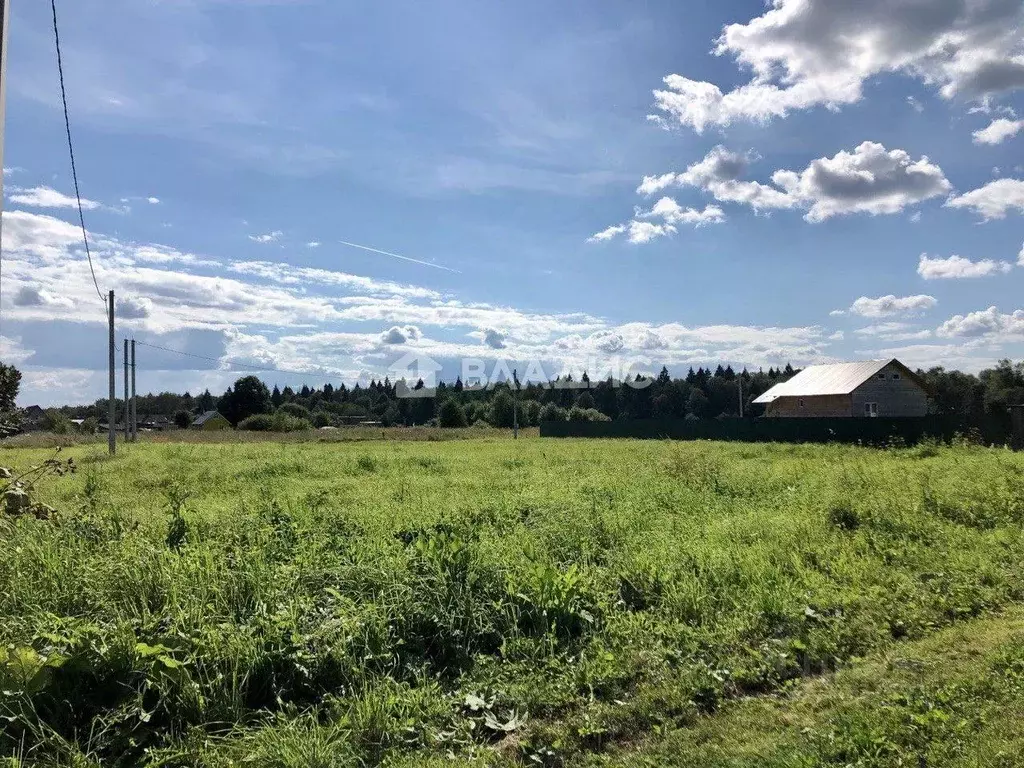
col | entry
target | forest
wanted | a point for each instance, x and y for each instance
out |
(703, 393)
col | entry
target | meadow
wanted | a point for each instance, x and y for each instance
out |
(495, 602)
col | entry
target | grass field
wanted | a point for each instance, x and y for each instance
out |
(489, 602)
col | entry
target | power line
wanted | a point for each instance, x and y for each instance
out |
(71, 151)
(241, 367)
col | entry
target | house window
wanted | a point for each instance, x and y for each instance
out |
(801, 402)
(881, 376)
(871, 409)
(895, 377)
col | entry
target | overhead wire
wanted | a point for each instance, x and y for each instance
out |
(71, 152)
(240, 367)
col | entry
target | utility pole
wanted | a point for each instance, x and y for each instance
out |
(135, 424)
(4, 13)
(515, 406)
(111, 415)
(126, 406)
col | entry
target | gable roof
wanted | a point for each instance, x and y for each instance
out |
(831, 379)
(205, 418)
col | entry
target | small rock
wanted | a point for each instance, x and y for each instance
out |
(5, 473)
(42, 511)
(16, 501)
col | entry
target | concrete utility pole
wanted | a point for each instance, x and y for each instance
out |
(112, 395)
(515, 406)
(127, 434)
(4, 13)
(135, 423)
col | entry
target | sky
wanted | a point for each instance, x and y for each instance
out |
(330, 190)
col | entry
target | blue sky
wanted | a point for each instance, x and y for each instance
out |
(578, 183)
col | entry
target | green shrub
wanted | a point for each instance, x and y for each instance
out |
(261, 422)
(552, 412)
(450, 415)
(295, 410)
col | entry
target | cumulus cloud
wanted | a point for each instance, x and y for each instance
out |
(397, 335)
(269, 237)
(870, 179)
(46, 197)
(983, 324)
(957, 267)
(637, 232)
(494, 338)
(32, 296)
(889, 306)
(153, 200)
(998, 131)
(134, 308)
(313, 244)
(993, 200)
(608, 342)
(641, 230)
(809, 53)
(673, 213)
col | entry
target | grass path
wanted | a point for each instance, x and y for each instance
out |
(954, 698)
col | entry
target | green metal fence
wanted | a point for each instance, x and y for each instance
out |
(878, 431)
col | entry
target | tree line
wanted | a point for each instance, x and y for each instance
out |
(703, 393)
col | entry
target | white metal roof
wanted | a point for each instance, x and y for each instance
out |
(831, 379)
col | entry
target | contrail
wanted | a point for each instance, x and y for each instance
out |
(398, 256)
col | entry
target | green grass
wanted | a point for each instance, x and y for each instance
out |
(495, 602)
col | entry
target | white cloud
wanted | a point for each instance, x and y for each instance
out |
(397, 335)
(956, 267)
(669, 210)
(46, 197)
(989, 323)
(32, 296)
(637, 232)
(313, 244)
(915, 217)
(894, 331)
(888, 306)
(1020, 257)
(12, 351)
(998, 131)
(993, 200)
(269, 237)
(641, 232)
(807, 53)
(916, 105)
(870, 179)
(607, 234)
(153, 200)
(134, 308)
(286, 274)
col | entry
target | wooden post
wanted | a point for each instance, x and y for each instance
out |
(112, 394)
(127, 432)
(135, 423)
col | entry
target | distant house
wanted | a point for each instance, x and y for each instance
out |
(876, 388)
(32, 418)
(211, 421)
(157, 422)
